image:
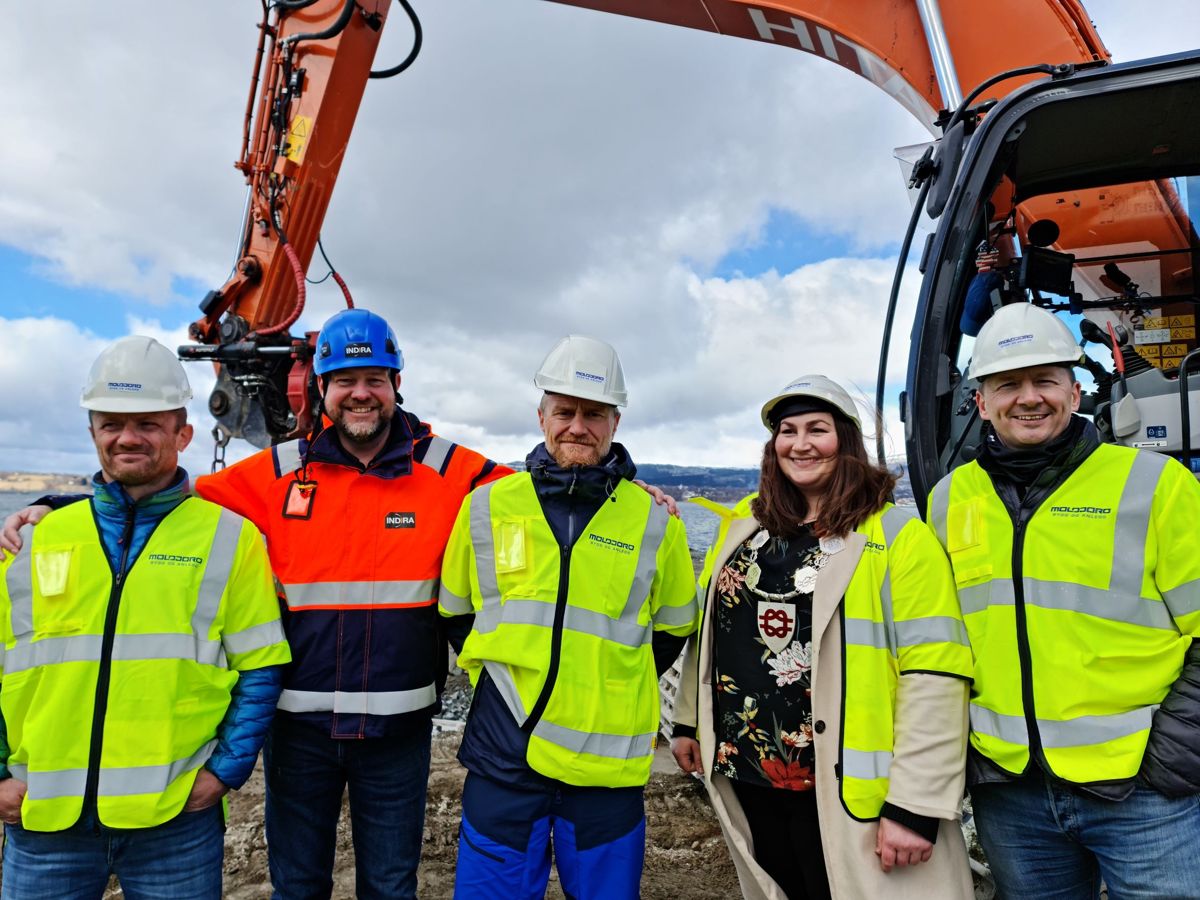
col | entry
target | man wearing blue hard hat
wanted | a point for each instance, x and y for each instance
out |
(356, 516)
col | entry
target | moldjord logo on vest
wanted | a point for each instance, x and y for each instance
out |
(619, 546)
(1081, 512)
(400, 520)
(173, 559)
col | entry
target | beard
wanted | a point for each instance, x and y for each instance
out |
(569, 455)
(362, 432)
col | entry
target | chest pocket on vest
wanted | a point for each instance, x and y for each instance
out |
(966, 542)
(512, 546)
(53, 569)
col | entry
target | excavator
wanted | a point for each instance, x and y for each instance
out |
(1052, 177)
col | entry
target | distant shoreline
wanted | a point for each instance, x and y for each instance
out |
(42, 483)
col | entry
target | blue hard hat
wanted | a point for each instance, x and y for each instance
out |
(356, 338)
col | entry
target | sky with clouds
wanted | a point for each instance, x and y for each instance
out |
(726, 214)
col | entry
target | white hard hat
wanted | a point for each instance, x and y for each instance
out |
(817, 386)
(1021, 335)
(583, 367)
(135, 374)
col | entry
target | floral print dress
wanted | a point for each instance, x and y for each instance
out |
(763, 699)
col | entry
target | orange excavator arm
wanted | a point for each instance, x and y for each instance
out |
(310, 71)
(924, 54)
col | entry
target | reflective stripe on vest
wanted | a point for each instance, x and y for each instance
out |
(114, 782)
(374, 703)
(287, 457)
(613, 746)
(866, 765)
(19, 581)
(452, 602)
(27, 653)
(1082, 731)
(361, 594)
(437, 453)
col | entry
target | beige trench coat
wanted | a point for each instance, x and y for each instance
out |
(926, 777)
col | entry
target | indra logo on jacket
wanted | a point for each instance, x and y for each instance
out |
(400, 520)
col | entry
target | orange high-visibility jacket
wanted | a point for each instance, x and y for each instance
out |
(357, 553)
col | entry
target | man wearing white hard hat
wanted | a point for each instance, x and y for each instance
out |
(1078, 572)
(142, 659)
(582, 591)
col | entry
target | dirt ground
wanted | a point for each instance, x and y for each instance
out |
(685, 855)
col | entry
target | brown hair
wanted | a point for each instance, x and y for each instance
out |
(856, 489)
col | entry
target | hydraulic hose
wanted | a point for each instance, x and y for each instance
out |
(412, 54)
(890, 318)
(332, 31)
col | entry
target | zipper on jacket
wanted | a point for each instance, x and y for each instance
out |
(1021, 518)
(560, 615)
(104, 674)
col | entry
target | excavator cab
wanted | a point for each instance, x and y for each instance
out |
(1079, 193)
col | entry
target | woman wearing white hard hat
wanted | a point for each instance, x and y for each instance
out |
(824, 698)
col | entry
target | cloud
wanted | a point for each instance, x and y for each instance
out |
(541, 170)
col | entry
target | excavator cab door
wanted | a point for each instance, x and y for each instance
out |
(1080, 194)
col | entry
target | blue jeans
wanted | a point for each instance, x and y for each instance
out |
(307, 773)
(178, 860)
(1046, 841)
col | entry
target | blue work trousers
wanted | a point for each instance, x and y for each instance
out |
(178, 860)
(307, 773)
(504, 844)
(1047, 841)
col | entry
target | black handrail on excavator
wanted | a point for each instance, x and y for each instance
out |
(1185, 411)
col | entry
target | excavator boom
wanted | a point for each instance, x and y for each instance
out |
(885, 41)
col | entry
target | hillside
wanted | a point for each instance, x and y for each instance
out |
(42, 482)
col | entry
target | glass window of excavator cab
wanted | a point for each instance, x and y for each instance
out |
(1102, 230)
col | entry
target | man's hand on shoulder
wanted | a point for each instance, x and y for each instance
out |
(10, 537)
(12, 792)
(207, 791)
(661, 497)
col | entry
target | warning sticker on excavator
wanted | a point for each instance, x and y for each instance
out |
(1182, 334)
(1163, 322)
(298, 133)
(1174, 350)
(1152, 335)
(1148, 350)
(1182, 321)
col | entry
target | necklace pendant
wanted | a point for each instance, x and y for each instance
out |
(759, 539)
(805, 579)
(832, 544)
(753, 574)
(776, 624)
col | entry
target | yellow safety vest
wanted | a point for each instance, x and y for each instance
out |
(1080, 618)
(899, 615)
(120, 686)
(629, 574)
